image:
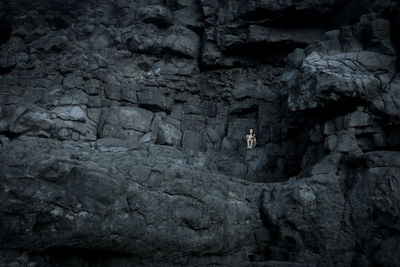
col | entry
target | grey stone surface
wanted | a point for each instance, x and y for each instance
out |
(168, 134)
(123, 123)
(192, 140)
(183, 41)
(156, 14)
(342, 72)
(130, 118)
(257, 34)
(103, 198)
(73, 113)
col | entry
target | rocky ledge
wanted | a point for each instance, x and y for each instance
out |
(121, 203)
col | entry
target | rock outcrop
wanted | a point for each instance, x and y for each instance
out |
(141, 204)
(122, 128)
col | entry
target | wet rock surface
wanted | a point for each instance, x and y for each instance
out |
(123, 123)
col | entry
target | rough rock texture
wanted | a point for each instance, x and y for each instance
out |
(122, 128)
(143, 203)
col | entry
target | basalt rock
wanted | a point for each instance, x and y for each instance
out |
(123, 123)
(120, 198)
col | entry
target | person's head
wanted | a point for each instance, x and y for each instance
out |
(251, 131)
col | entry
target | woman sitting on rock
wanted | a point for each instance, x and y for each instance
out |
(251, 140)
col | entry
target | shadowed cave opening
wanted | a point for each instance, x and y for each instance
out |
(316, 17)
(331, 110)
(279, 151)
(264, 52)
(253, 54)
(297, 152)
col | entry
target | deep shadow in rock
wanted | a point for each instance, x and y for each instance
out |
(394, 34)
(80, 257)
(334, 109)
(253, 54)
(5, 31)
(11, 135)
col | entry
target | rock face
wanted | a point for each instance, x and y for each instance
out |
(124, 198)
(123, 123)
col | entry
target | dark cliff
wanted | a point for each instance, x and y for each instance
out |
(122, 129)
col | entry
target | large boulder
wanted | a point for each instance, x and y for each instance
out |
(342, 67)
(326, 79)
